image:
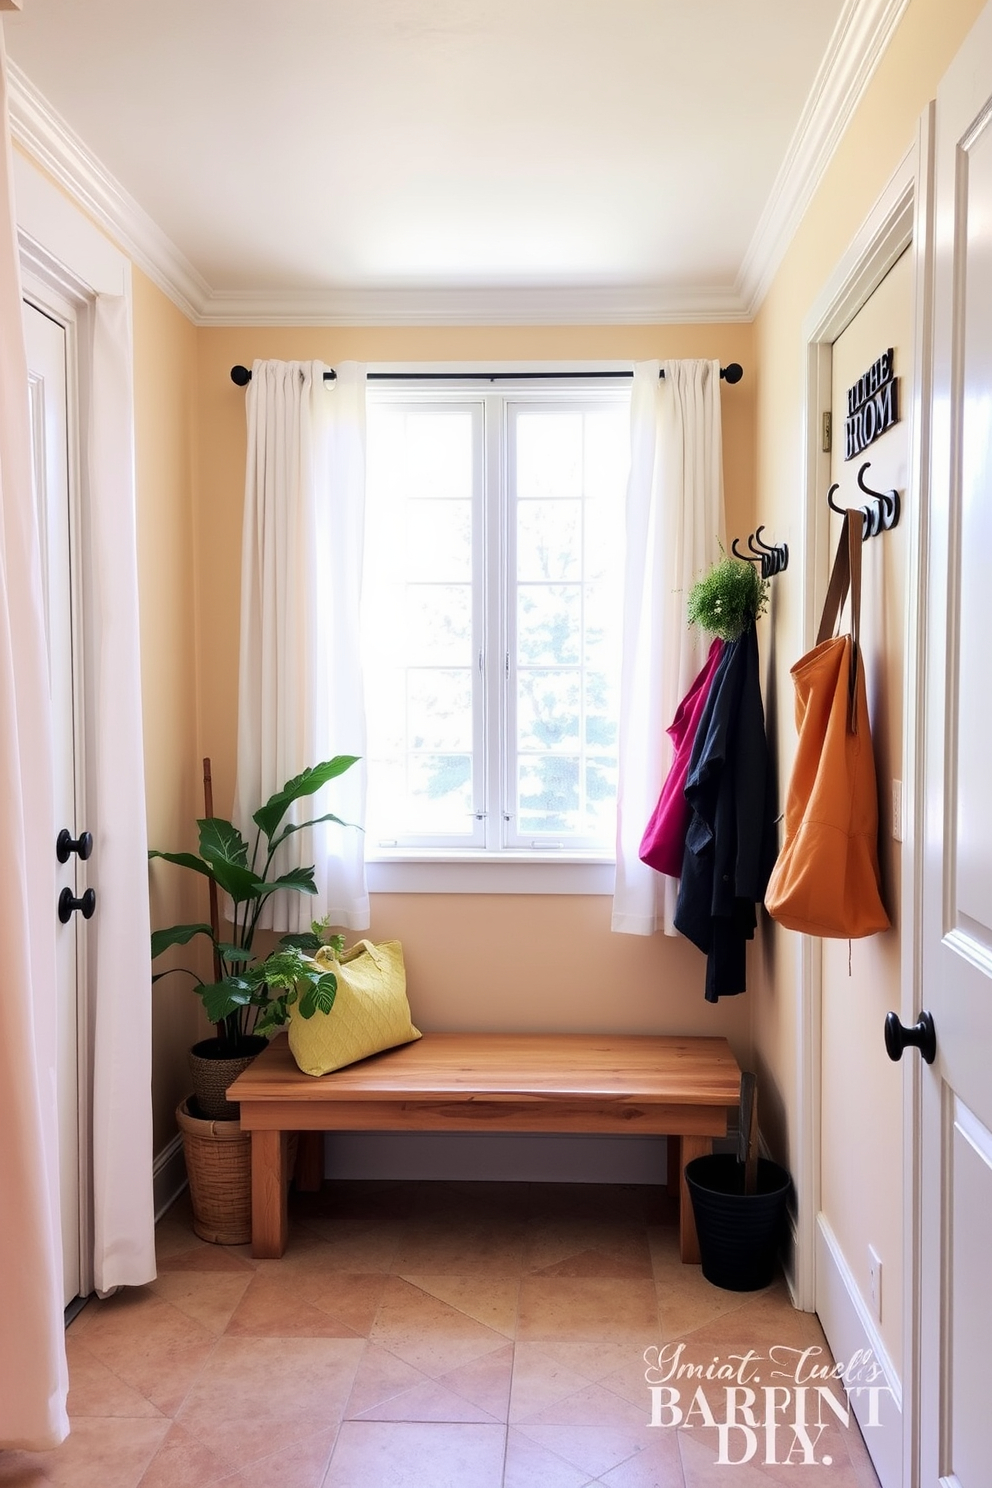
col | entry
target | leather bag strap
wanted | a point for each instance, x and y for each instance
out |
(845, 575)
(840, 581)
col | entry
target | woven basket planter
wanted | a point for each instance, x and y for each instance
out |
(211, 1076)
(218, 1165)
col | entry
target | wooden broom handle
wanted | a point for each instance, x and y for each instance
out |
(748, 1131)
(208, 810)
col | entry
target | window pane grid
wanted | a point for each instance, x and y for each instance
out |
(420, 625)
(558, 779)
(491, 680)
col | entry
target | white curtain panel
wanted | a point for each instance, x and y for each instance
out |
(675, 527)
(33, 1375)
(300, 685)
(120, 969)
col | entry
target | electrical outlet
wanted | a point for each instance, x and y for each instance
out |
(897, 810)
(875, 1282)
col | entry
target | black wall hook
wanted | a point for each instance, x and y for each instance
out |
(885, 512)
(774, 560)
(746, 557)
(880, 515)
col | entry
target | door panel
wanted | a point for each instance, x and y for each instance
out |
(46, 348)
(956, 1172)
(861, 1143)
(969, 1203)
(972, 868)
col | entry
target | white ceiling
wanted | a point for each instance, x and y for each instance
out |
(586, 159)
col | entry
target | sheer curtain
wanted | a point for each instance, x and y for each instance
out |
(32, 1340)
(118, 936)
(675, 527)
(300, 685)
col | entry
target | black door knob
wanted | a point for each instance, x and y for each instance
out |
(922, 1036)
(66, 844)
(68, 905)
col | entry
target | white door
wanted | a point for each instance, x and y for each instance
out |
(46, 349)
(956, 1174)
(861, 1181)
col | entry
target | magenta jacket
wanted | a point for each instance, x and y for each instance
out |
(663, 843)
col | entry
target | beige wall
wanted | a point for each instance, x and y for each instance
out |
(547, 964)
(221, 457)
(165, 414)
(190, 452)
(475, 961)
(478, 961)
(883, 130)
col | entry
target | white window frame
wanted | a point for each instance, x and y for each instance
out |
(426, 398)
(489, 865)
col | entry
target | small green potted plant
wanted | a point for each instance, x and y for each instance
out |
(249, 997)
(728, 599)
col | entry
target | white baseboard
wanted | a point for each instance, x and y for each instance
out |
(850, 1327)
(168, 1175)
(525, 1157)
(790, 1245)
(790, 1250)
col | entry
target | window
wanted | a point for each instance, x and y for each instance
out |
(491, 617)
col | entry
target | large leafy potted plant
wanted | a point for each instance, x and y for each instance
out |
(249, 997)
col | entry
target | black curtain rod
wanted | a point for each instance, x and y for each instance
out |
(242, 375)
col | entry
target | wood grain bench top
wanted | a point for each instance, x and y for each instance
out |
(645, 1069)
(681, 1088)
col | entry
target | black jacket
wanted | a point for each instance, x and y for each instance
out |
(731, 843)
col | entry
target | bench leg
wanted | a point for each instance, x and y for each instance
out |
(269, 1216)
(673, 1164)
(688, 1243)
(309, 1174)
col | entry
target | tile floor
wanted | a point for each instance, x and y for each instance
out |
(425, 1336)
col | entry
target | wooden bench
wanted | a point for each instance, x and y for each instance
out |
(680, 1088)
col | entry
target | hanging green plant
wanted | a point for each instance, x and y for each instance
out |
(728, 599)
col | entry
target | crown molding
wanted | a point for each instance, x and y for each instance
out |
(552, 305)
(863, 31)
(860, 37)
(44, 136)
(47, 140)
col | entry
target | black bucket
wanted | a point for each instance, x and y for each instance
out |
(739, 1233)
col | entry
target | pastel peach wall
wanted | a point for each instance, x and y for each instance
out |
(547, 964)
(882, 131)
(221, 452)
(165, 415)
(189, 457)
(475, 961)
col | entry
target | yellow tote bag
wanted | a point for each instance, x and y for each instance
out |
(370, 1011)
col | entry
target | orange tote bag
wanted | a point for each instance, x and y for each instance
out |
(825, 881)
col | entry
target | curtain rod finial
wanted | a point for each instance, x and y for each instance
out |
(241, 376)
(732, 373)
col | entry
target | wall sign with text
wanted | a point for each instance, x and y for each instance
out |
(872, 406)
